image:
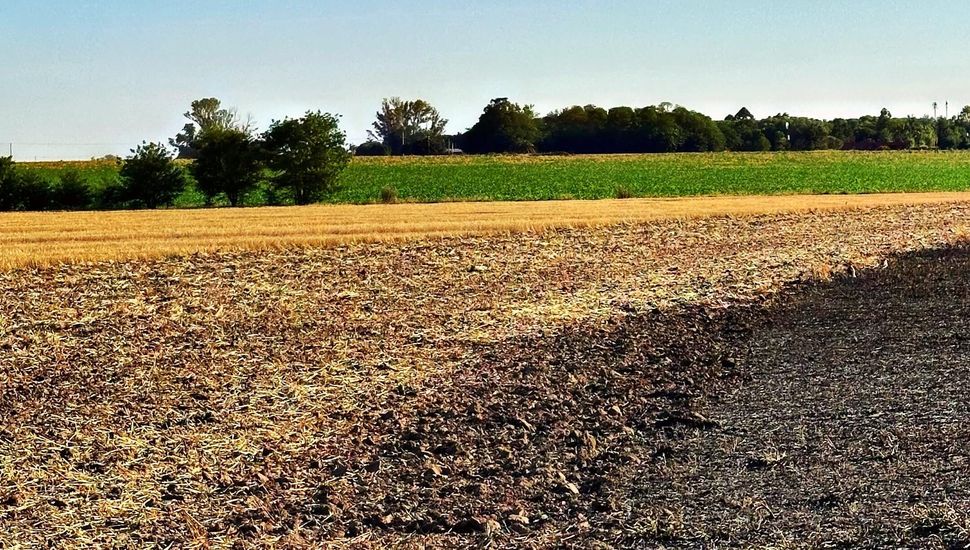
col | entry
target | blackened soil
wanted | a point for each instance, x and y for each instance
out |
(836, 416)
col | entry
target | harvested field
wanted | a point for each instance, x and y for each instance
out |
(36, 239)
(629, 385)
(850, 430)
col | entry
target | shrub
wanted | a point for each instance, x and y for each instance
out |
(371, 149)
(9, 184)
(71, 192)
(624, 192)
(388, 195)
(35, 191)
(109, 195)
(22, 189)
(150, 177)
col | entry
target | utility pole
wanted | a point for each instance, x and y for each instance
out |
(934, 110)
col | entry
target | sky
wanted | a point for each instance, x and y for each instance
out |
(83, 78)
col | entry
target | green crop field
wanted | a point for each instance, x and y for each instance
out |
(432, 179)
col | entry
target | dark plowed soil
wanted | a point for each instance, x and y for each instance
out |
(540, 444)
(853, 429)
(635, 386)
(836, 416)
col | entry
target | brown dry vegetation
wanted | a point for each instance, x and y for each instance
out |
(503, 389)
(35, 239)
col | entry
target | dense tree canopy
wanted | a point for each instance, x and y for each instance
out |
(299, 161)
(306, 154)
(206, 115)
(229, 163)
(150, 177)
(409, 127)
(506, 127)
(503, 127)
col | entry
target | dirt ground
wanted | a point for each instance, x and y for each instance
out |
(850, 428)
(785, 380)
(832, 416)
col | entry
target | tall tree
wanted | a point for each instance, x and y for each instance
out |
(964, 115)
(150, 176)
(744, 114)
(229, 163)
(621, 125)
(307, 155)
(503, 127)
(10, 194)
(206, 115)
(698, 132)
(576, 130)
(412, 126)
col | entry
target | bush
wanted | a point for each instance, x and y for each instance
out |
(150, 177)
(71, 192)
(110, 195)
(624, 192)
(22, 189)
(9, 184)
(34, 190)
(371, 149)
(388, 195)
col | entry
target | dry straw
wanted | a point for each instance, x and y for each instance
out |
(37, 239)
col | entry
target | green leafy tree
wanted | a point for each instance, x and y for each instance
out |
(658, 131)
(34, 190)
(228, 162)
(576, 130)
(503, 127)
(948, 133)
(307, 155)
(150, 177)
(808, 134)
(698, 132)
(732, 139)
(621, 125)
(962, 127)
(884, 128)
(71, 192)
(206, 115)
(775, 129)
(371, 149)
(744, 114)
(22, 189)
(9, 185)
(409, 127)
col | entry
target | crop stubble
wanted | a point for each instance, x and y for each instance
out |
(290, 396)
(37, 239)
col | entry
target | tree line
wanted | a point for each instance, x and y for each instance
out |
(415, 127)
(295, 161)
(298, 161)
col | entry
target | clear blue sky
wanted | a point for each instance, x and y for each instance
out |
(116, 72)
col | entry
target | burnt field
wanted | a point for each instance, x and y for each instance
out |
(783, 380)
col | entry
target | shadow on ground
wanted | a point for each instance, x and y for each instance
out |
(833, 415)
